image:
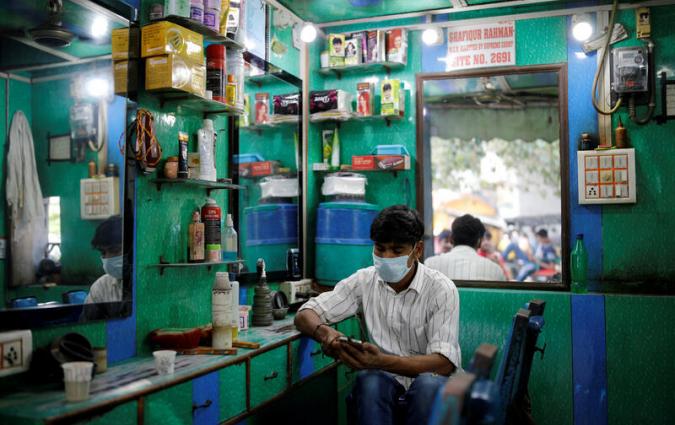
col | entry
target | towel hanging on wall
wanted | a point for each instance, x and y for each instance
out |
(28, 231)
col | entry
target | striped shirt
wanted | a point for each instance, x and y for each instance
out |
(464, 263)
(106, 289)
(422, 319)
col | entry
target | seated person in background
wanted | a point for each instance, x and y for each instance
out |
(445, 241)
(545, 253)
(463, 262)
(109, 287)
(489, 251)
(525, 261)
(411, 315)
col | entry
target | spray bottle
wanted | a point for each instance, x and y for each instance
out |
(221, 311)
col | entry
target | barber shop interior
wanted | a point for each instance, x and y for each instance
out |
(337, 212)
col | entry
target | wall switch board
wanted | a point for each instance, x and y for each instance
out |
(606, 176)
(15, 351)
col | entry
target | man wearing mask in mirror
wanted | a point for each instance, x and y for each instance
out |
(108, 240)
(411, 317)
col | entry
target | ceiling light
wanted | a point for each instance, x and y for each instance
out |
(98, 87)
(308, 33)
(432, 36)
(582, 29)
(99, 28)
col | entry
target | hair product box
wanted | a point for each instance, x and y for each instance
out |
(392, 98)
(397, 45)
(365, 93)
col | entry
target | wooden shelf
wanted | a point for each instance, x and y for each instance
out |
(208, 33)
(195, 103)
(362, 67)
(208, 185)
(208, 264)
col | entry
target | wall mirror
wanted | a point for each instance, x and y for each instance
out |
(267, 161)
(66, 212)
(494, 145)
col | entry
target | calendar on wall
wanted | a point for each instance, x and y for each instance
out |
(607, 176)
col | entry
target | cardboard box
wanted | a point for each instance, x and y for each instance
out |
(173, 72)
(258, 169)
(164, 37)
(365, 93)
(262, 108)
(397, 45)
(392, 98)
(362, 36)
(352, 51)
(380, 162)
(336, 45)
(125, 76)
(124, 43)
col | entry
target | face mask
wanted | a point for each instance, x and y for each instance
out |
(113, 266)
(392, 270)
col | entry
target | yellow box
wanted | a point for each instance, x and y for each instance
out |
(125, 76)
(174, 72)
(124, 46)
(164, 37)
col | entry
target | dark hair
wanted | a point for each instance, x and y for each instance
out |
(108, 233)
(542, 233)
(445, 235)
(398, 224)
(386, 87)
(337, 40)
(467, 230)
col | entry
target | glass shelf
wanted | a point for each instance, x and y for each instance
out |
(263, 79)
(362, 67)
(270, 126)
(208, 264)
(208, 33)
(195, 103)
(208, 185)
(353, 117)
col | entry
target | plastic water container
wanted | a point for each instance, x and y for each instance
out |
(343, 242)
(246, 158)
(271, 230)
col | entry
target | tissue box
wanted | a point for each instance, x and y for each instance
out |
(380, 162)
(173, 72)
(279, 188)
(329, 100)
(354, 184)
(164, 37)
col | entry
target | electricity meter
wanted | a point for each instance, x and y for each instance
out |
(630, 73)
(82, 121)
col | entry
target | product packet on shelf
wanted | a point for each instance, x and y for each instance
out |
(376, 46)
(365, 92)
(393, 101)
(336, 50)
(397, 45)
(262, 108)
(352, 51)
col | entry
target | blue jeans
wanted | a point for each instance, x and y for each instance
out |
(378, 398)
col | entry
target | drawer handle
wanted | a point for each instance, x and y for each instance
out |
(315, 352)
(206, 404)
(272, 375)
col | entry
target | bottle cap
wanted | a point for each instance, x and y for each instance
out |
(223, 280)
(230, 78)
(580, 236)
(216, 51)
(229, 221)
(210, 201)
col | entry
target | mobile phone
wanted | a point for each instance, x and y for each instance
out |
(355, 342)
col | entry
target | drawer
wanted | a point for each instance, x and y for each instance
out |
(269, 375)
(345, 377)
(307, 358)
(232, 386)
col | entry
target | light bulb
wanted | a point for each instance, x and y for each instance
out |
(308, 33)
(581, 27)
(97, 87)
(431, 36)
(99, 27)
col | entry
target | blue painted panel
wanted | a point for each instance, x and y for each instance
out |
(432, 54)
(582, 118)
(589, 359)
(306, 362)
(205, 388)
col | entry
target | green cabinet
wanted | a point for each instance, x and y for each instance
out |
(232, 386)
(172, 406)
(269, 375)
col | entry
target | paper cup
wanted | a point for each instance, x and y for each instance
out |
(77, 379)
(164, 361)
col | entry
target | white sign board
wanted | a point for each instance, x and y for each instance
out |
(483, 45)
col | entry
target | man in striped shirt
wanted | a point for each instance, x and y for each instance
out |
(411, 315)
(463, 262)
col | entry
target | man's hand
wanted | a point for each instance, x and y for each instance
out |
(329, 342)
(368, 357)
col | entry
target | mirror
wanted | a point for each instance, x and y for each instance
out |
(268, 163)
(493, 148)
(67, 248)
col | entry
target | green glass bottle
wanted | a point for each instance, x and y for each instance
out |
(579, 263)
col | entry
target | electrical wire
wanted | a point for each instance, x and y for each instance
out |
(632, 113)
(145, 149)
(601, 66)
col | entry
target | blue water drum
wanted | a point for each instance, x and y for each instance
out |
(271, 230)
(343, 242)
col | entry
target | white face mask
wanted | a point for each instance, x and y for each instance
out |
(392, 270)
(113, 266)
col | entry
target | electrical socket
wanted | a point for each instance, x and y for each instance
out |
(15, 351)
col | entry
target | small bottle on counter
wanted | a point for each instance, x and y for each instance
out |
(231, 91)
(182, 155)
(196, 239)
(171, 167)
(229, 240)
(221, 312)
(234, 323)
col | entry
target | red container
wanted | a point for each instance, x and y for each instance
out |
(215, 71)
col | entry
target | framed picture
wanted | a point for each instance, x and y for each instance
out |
(59, 148)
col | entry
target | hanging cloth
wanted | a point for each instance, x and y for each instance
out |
(28, 225)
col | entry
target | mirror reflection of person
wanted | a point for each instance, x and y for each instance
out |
(108, 240)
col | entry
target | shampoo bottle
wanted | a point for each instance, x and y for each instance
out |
(234, 321)
(229, 240)
(196, 239)
(221, 310)
(207, 167)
